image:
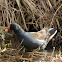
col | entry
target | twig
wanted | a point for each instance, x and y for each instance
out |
(44, 6)
(49, 3)
(7, 12)
(20, 44)
(55, 14)
(18, 2)
(36, 49)
(58, 24)
(20, 49)
(52, 53)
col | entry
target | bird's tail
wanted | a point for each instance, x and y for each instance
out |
(52, 32)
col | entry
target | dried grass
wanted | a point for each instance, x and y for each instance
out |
(30, 13)
(27, 13)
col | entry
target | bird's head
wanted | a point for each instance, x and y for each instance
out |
(15, 27)
(7, 29)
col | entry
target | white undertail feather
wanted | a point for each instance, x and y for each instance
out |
(52, 35)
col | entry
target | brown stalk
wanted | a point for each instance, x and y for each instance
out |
(20, 44)
(49, 3)
(18, 2)
(54, 15)
(7, 12)
(44, 6)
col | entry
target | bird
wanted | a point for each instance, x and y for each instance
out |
(33, 40)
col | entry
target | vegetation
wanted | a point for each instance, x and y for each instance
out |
(34, 14)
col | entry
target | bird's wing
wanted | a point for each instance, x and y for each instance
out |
(37, 35)
(34, 34)
(41, 35)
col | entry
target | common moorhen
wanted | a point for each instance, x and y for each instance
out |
(33, 40)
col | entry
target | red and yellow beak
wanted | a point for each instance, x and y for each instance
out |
(7, 28)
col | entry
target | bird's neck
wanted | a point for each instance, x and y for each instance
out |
(19, 31)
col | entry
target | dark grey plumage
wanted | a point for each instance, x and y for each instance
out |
(33, 40)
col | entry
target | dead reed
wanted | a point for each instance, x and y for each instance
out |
(29, 13)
